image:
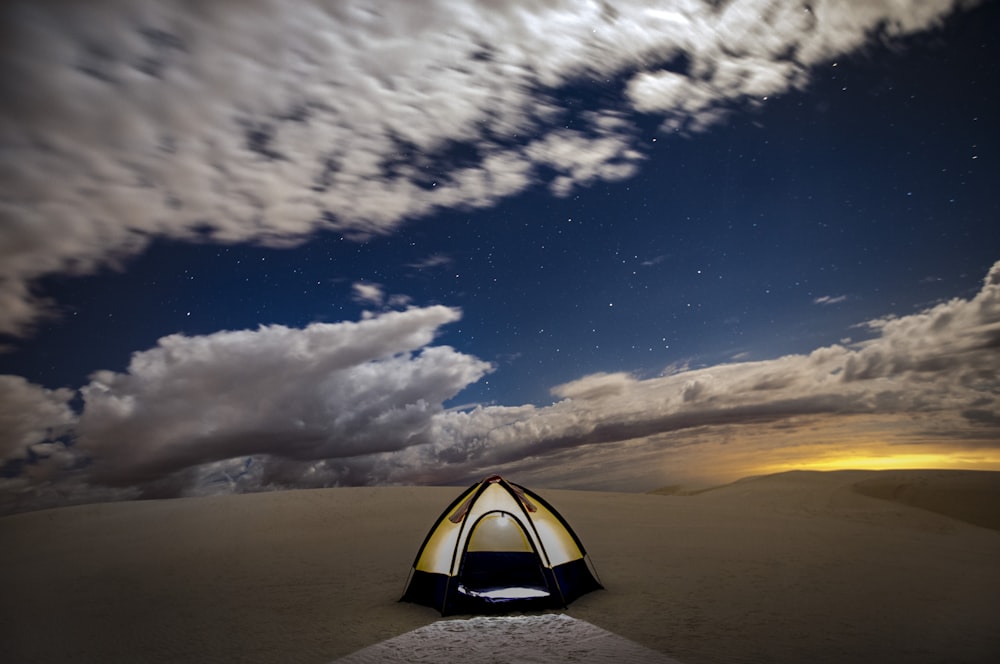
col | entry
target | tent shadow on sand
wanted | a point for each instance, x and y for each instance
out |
(497, 548)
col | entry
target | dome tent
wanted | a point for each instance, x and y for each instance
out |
(499, 546)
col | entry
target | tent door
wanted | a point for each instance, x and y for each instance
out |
(499, 562)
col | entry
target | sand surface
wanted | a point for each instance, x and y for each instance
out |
(535, 639)
(788, 568)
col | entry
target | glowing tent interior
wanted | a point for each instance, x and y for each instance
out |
(499, 547)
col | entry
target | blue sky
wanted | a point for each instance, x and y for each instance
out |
(601, 245)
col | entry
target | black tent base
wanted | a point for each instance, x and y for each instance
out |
(560, 586)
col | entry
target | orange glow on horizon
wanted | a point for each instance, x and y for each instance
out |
(982, 460)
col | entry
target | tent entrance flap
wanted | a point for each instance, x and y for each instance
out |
(489, 572)
(499, 562)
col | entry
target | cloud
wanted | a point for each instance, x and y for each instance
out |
(827, 300)
(322, 392)
(361, 403)
(596, 386)
(32, 418)
(266, 120)
(367, 293)
(932, 375)
(432, 261)
(373, 294)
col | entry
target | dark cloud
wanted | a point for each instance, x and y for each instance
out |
(265, 120)
(986, 418)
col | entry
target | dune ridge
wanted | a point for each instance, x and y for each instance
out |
(783, 569)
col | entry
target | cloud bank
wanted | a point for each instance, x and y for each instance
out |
(363, 403)
(941, 362)
(266, 120)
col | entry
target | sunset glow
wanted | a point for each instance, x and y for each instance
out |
(875, 461)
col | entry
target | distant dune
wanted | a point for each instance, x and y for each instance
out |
(848, 566)
(971, 496)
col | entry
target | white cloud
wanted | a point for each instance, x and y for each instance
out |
(374, 294)
(265, 120)
(31, 418)
(830, 299)
(322, 392)
(368, 293)
(581, 159)
(596, 386)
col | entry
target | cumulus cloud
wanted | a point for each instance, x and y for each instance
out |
(322, 392)
(32, 418)
(265, 120)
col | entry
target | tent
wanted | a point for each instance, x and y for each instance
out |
(499, 547)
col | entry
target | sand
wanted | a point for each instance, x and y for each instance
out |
(533, 639)
(787, 568)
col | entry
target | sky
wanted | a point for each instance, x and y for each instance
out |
(263, 245)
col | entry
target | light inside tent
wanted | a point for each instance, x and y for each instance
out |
(504, 593)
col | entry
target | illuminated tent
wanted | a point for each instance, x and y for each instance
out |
(499, 546)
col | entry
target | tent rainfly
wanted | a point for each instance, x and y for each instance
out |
(499, 547)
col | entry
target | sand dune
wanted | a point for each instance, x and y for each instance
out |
(786, 568)
(969, 496)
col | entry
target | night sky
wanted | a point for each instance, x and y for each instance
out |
(609, 245)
